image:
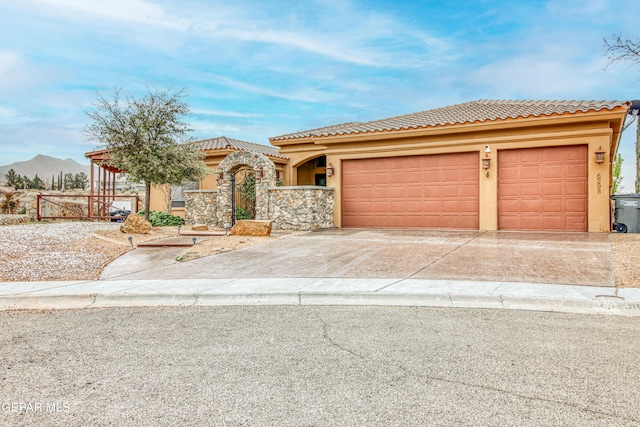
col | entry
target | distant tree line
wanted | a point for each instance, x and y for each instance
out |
(67, 181)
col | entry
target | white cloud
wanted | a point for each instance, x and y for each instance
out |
(539, 76)
(346, 32)
(17, 73)
(307, 95)
(373, 39)
(126, 11)
(12, 116)
(222, 113)
(9, 61)
(328, 47)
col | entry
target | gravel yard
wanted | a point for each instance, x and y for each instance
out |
(80, 250)
(55, 251)
(626, 259)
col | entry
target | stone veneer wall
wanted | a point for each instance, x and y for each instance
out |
(230, 165)
(200, 207)
(305, 207)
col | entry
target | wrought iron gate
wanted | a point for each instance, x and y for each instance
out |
(243, 189)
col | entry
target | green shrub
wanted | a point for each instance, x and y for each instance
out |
(242, 213)
(161, 219)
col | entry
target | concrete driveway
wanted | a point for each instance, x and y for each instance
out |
(553, 258)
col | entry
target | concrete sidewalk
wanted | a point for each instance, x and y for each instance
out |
(319, 291)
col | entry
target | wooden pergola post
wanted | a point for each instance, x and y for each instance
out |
(105, 185)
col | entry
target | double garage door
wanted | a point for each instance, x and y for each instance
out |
(539, 189)
(438, 191)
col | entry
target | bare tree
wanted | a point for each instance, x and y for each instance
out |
(620, 49)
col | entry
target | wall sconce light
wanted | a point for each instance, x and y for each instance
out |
(259, 172)
(486, 161)
(220, 176)
(330, 170)
(600, 156)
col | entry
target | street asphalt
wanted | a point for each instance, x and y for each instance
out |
(320, 366)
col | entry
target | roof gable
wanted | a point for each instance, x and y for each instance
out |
(469, 112)
(224, 143)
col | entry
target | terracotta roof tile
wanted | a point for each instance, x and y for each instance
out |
(223, 143)
(469, 112)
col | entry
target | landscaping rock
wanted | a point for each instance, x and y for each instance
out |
(14, 219)
(135, 224)
(200, 227)
(252, 228)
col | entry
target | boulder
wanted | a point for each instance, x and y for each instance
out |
(200, 227)
(252, 228)
(136, 224)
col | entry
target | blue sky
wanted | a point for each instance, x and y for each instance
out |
(256, 69)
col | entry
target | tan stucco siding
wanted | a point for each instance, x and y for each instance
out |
(593, 132)
(158, 199)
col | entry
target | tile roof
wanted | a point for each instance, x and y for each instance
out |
(469, 112)
(224, 143)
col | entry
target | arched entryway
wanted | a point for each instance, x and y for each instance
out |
(264, 173)
(313, 172)
(243, 190)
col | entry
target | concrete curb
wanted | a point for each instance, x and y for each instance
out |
(608, 306)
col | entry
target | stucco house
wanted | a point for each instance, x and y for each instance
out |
(487, 164)
(215, 150)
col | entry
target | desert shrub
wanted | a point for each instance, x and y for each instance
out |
(161, 219)
(8, 205)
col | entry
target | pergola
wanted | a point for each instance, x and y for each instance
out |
(104, 190)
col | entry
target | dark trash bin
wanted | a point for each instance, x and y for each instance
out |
(626, 213)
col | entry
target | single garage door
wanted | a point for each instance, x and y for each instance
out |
(543, 188)
(411, 192)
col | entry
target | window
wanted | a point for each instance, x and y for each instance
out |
(177, 193)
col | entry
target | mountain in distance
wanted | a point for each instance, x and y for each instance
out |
(45, 167)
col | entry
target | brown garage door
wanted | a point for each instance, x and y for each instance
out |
(418, 191)
(543, 189)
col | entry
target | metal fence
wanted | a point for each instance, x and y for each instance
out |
(86, 207)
